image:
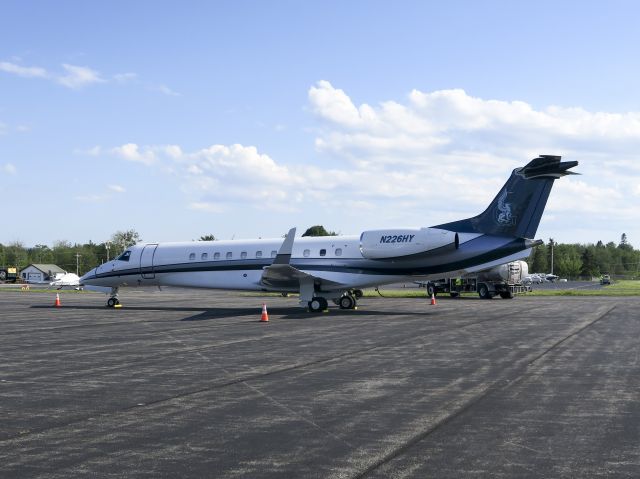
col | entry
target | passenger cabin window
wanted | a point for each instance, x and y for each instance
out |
(124, 256)
(216, 255)
(192, 256)
(274, 253)
(229, 255)
(323, 252)
(306, 253)
(258, 254)
(243, 255)
(338, 251)
(204, 256)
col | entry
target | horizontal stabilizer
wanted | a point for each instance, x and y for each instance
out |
(547, 166)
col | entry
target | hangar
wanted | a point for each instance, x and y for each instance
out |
(37, 273)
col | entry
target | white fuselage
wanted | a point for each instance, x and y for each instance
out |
(239, 264)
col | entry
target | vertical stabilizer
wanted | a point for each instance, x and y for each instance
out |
(518, 207)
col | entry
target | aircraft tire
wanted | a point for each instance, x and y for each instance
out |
(357, 293)
(317, 304)
(111, 302)
(347, 302)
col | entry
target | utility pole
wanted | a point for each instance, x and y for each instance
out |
(551, 242)
(107, 245)
(78, 263)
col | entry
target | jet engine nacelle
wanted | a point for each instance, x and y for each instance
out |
(396, 243)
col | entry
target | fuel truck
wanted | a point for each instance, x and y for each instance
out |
(504, 280)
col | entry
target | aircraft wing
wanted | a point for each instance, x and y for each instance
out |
(285, 276)
(281, 275)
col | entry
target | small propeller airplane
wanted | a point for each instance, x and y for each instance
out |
(334, 268)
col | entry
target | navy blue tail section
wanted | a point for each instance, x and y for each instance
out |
(517, 209)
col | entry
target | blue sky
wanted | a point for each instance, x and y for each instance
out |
(243, 119)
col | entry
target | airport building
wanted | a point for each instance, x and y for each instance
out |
(37, 273)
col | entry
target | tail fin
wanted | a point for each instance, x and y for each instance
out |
(517, 209)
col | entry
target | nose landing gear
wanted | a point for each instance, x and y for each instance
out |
(113, 301)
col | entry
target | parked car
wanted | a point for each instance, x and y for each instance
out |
(605, 279)
(533, 279)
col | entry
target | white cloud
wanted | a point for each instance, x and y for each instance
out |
(116, 188)
(452, 120)
(95, 151)
(131, 152)
(166, 90)
(26, 72)
(432, 158)
(9, 169)
(449, 144)
(78, 77)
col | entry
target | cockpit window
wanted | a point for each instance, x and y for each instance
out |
(124, 256)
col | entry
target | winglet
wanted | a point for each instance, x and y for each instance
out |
(284, 254)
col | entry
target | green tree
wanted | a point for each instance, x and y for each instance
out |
(123, 239)
(539, 259)
(624, 243)
(319, 230)
(568, 262)
(589, 265)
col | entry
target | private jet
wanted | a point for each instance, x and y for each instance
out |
(336, 268)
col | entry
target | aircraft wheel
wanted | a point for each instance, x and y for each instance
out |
(317, 304)
(347, 302)
(483, 292)
(357, 293)
(111, 302)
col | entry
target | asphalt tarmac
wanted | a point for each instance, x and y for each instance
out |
(191, 384)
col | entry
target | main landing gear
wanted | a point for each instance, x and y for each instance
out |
(348, 300)
(317, 304)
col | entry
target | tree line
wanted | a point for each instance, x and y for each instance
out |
(585, 261)
(66, 255)
(570, 261)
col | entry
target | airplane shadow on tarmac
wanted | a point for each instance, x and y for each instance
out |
(205, 314)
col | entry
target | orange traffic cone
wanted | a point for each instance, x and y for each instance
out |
(57, 303)
(433, 299)
(265, 317)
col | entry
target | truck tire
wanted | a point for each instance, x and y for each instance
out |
(483, 291)
(431, 290)
(454, 294)
(3, 275)
(506, 295)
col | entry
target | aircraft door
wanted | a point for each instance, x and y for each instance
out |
(146, 261)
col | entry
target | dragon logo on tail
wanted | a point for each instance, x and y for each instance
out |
(503, 214)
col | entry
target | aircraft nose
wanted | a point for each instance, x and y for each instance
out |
(88, 275)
